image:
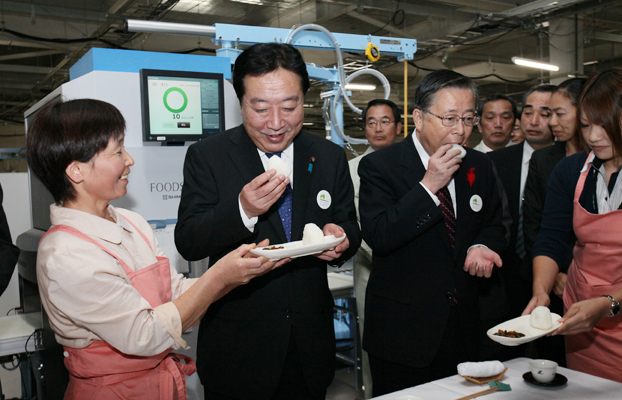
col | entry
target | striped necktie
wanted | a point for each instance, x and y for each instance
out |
(447, 208)
(520, 237)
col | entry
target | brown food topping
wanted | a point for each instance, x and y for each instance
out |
(273, 248)
(510, 334)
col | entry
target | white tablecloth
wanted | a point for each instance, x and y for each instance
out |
(580, 386)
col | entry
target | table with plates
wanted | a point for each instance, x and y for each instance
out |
(579, 386)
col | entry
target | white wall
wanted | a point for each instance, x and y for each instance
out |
(16, 206)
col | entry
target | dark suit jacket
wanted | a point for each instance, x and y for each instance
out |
(508, 162)
(243, 338)
(541, 167)
(8, 251)
(415, 271)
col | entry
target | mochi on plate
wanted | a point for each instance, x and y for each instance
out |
(312, 234)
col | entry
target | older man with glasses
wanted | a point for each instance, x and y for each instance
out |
(434, 223)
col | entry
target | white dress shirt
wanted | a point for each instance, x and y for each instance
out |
(524, 169)
(607, 202)
(425, 159)
(482, 147)
(287, 155)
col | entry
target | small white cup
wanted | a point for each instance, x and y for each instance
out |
(543, 370)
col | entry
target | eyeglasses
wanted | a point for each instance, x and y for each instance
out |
(452, 119)
(385, 123)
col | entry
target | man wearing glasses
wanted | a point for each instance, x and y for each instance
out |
(383, 123)
(434, 223)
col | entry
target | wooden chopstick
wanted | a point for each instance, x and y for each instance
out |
(478, 394)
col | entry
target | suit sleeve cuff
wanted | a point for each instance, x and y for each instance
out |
(432, 195)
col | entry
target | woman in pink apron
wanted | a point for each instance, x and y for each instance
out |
(112, 298)
(584, 201)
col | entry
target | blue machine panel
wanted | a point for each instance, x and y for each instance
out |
(133, 61)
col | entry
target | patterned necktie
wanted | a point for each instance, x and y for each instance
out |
(520, 237)
(284, 203)
(447, 208)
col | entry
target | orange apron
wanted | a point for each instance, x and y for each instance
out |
(99, 371)
(595, 270)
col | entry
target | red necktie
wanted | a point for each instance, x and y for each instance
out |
(447, 208)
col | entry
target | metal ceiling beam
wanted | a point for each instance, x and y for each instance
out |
(538, 5)
(119, 5)
(328, 18)
(61, 13)
(20, 56)
(24, 69)
(422, 7)
(379, 24)
(559, 8)
(16, 86)
(299, 9)
(21, 43)
(609, 37)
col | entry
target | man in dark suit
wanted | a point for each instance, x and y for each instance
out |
(498, 115)
(272, 338)
(512, 164)
(434, 223)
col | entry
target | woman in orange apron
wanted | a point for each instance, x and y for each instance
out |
(112, 298)
(585, 199)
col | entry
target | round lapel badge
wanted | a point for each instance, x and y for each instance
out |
(476, 203)
(323, 199)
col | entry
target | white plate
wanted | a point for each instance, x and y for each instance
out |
(522, 325)
(297, 249)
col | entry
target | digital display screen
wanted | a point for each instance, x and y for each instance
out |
(181, 106)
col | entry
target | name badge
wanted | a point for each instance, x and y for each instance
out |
(323, 199)
(476, 203)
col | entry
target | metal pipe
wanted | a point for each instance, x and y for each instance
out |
(405, 98)
(135, 25)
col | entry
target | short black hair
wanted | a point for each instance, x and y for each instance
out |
(69, 131)
(263, 58)
(438, 80)
(539, 88)
(397, 114)
(571, 89)
(495, 97)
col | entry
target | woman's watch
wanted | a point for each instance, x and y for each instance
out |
(615, 306)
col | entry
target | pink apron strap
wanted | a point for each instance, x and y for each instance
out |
(579, 188)
(75, 232)
(137, 230)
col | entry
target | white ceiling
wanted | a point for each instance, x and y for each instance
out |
(41, 39)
